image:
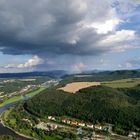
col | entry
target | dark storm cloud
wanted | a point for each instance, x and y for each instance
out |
(51, 26)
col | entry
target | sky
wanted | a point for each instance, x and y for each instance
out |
(72, 35)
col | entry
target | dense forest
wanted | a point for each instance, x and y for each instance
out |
(120, 107)
(53, 74)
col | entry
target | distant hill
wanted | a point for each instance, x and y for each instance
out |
(53, 74)
(100, 76)
(93, 75)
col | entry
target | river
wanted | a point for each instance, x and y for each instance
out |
(6, 131)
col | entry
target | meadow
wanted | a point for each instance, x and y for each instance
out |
(20, 97)
(123, 83)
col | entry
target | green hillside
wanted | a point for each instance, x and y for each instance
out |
(104, 104)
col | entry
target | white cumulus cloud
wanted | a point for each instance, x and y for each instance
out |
(35, 60)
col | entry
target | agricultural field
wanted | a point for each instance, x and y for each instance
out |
(123, 83)
(76, 86)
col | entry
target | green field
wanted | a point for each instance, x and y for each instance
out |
(123, 83)
(18, 98)
(11, 100)
(6, 113)
(33, 93)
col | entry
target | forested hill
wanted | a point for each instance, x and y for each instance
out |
(90, 76)
(101, 103)
(53, 74)
(101, 76)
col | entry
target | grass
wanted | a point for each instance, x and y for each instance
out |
(6, 114)
(19, 97)
(11, 100)
(50, 138)
(33, 93)
(123, 83)
(12, 121)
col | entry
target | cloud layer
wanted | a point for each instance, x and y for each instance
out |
(46, 28)
(66, 27)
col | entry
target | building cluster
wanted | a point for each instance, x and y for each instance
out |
(7, 81)
(2, 94)
(79, 123)
(27, 88)
(50, 83)
(12, 94)
(28, 121)
(46, 126)
(82, 124)
(51, 118)
(134, 135)
(27, 80)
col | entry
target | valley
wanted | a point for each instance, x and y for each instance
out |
(69, 69)
(106, 109)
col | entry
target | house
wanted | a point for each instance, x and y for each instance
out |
(90, 125)
(98, 126)
(46, 126)
(27, 120)
(68, 122)
(132, 134)
(74, 123)
(51, 118)
(107, 127)
(64, 121)
(52, 126)
(42, 126)
(81, 124)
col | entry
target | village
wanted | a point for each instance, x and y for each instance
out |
(22, 92)
(84, 130)
(78, 123)
(26, 89)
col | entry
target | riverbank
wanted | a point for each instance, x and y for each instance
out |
(8, 130)
(4, 129)
(25, 136)
(19, 97)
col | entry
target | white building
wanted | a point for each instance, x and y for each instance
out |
(90, 125)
